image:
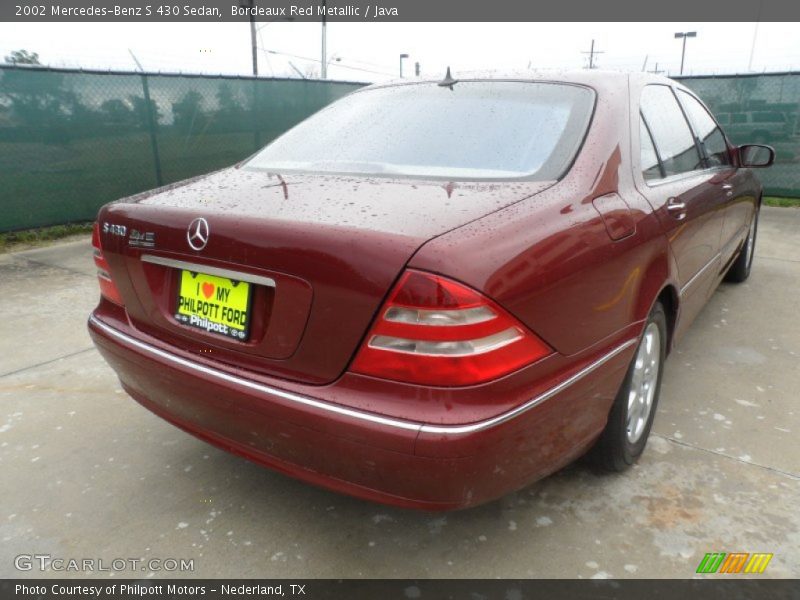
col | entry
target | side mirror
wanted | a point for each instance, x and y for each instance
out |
(756, 156)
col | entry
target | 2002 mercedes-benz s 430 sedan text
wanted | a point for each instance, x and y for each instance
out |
(432, 293)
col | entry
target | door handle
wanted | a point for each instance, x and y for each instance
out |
(728, 189)
(676, 208)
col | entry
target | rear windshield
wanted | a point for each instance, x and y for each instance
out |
(477, 130)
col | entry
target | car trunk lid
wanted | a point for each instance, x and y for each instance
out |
(320, 253)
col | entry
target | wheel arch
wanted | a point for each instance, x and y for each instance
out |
(670, 300)
(658, 285)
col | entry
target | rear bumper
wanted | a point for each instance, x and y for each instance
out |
(365, 454)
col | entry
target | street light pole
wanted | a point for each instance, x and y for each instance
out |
(324, 62)
(402, 56)
(254, 45)
(684, 35)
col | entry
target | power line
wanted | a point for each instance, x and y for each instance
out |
(366, 62)
(316, 60)
(261, 47)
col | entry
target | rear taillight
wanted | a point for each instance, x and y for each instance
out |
(435, 331)
(108, 288)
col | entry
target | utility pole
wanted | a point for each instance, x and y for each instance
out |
(402, 57)
(324, 61)
(684, 35)
(251, 4)
(591, 54)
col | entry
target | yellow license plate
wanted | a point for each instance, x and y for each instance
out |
(214, 304)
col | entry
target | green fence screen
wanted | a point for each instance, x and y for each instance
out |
(759, 109)
(71, 141)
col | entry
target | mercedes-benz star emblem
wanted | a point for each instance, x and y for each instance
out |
(197, 234)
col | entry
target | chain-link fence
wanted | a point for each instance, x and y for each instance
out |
(72, 140)
(759, 109)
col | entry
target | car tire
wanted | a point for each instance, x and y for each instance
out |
(624, 438)
(740, 269)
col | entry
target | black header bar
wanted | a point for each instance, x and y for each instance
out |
(717, 588)
(151, 11)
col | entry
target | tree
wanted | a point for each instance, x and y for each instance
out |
(40, 99)
(23, 57)
(140, 110)
(118, 113)
(187, 112)
(227, 99)
(231, 114)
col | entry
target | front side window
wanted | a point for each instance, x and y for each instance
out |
(708, 132)
(672, 137)
(476, 130)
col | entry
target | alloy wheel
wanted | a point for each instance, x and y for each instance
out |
(644, 382)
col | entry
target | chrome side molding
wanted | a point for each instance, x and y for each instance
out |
(354, 413)
(506, 416)
(697, 275)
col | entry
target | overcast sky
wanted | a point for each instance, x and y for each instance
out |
(370, 51)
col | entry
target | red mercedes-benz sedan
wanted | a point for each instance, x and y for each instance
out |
(432, 293)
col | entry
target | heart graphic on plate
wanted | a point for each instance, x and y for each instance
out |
(208, 289)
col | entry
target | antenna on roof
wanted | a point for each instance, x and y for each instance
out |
(448, 80)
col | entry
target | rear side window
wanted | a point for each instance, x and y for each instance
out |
(650, 167)
(673, 139)
(708, 132)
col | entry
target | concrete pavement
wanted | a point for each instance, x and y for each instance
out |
(85, 472)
